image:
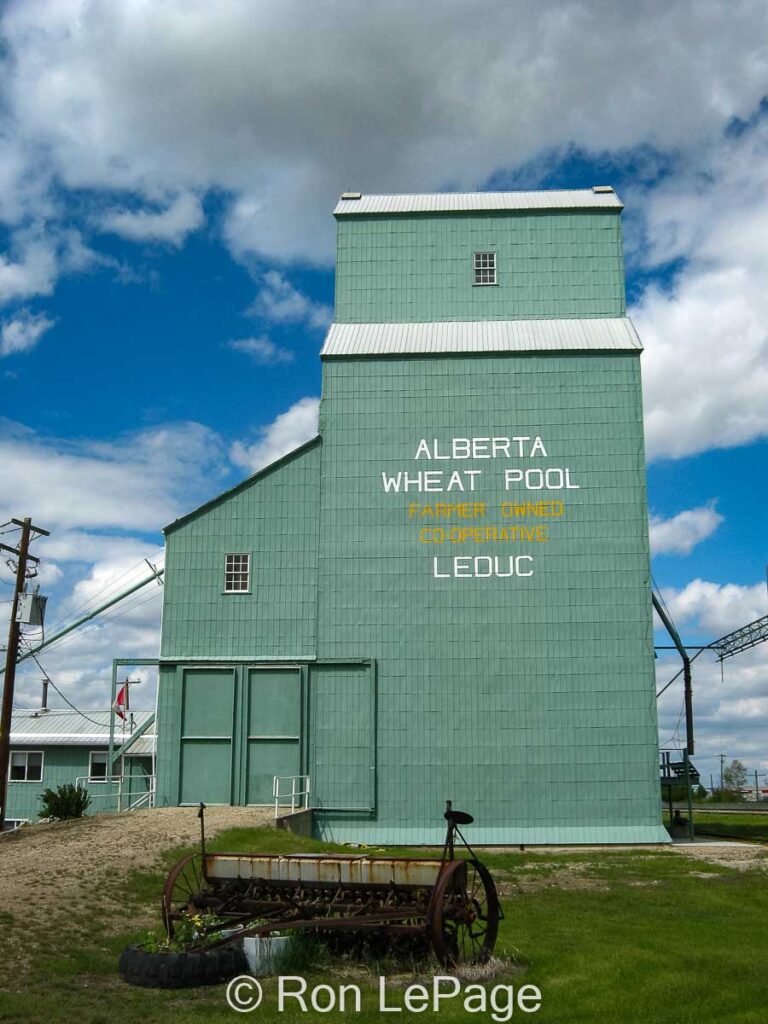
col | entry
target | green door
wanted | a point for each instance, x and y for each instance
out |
(208, 702)
(274, 730)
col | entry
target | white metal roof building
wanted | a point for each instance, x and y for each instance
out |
(64, 728)
(60, 747)
(451, 336)
(601, 196)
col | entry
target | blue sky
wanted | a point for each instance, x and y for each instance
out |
(166, 272)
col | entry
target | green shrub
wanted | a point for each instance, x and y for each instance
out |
(727, 796)
(65, 802)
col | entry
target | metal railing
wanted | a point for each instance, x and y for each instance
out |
(300, 787)
(146, 799)
(11, 824)
(119, 794)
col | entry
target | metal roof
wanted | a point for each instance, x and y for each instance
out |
(143, 747)
(64, 728)
(600, 196)
(436, 338)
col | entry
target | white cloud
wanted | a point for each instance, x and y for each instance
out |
(81, 664)
(48, 575)
(289, 430)
(730, 705)
(97, 498)
(24, 180)
(172, 225)
(38, 255)
(705, 367)
(75, 256)
(262, 350)
(680, 534)
(282, 112)
(139, 482)
(82, 546)
(279, 301)
(194, 98)
(716, 608)
(23, 332)
(110, 577)
(32, 270)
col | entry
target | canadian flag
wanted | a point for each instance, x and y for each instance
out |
(121, 702)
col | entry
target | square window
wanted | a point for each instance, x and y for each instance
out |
(237, 574)
(97, 771)
(484, 266)
(26, 766)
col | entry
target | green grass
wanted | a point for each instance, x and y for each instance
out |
(750, 826)
(610, 937)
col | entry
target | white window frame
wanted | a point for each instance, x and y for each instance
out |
(484, 266)
(234, 573)
(26, 753)
(91, 776)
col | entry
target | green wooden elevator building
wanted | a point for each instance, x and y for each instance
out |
(445, 594)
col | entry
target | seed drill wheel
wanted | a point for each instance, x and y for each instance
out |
(183, 889)
(464, 914)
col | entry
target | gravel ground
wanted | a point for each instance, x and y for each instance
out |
(740, 856)
(44, 868)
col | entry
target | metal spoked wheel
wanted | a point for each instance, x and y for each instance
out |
(183, 890)
(464, 917)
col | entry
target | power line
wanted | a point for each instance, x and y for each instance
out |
(661, 599)
(675, 737)
(91, 600)
(114, 613)
(101, 620)
(66, 699)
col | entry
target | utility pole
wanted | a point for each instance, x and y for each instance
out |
(722, 762)
(12, 654)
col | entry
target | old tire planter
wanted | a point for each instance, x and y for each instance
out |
(181, 970)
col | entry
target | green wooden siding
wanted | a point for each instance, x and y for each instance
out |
(272, 516)
(341, 732)
(530, 701)
(62, 766)
(419, 268)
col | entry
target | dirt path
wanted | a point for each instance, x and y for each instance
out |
(46, 868)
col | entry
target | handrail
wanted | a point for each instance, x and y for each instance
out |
(146, 798)
(296, 781)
